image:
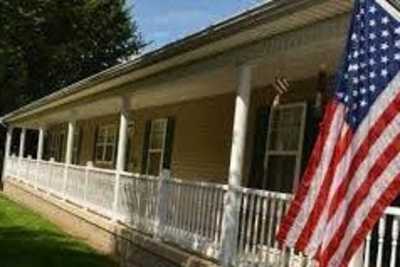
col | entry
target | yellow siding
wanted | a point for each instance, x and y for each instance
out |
(202, 135)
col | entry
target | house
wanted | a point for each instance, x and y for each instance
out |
(158, 142)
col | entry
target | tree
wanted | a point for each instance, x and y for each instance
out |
(46, 45)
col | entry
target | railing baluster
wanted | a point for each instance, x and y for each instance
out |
(263, 227)
(214, 208)
(381, 239)
(271, 222)
(199, 215)
(256, 223)
(221, 196)
(243, 222)
(249, 220)
(367, 250)
(395, 237)
(193, 212)
(205, 212)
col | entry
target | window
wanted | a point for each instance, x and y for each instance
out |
(57, 143)
(284, 147)
(155, 153)
(105, 144)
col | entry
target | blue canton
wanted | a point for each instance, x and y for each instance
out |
(371, 61)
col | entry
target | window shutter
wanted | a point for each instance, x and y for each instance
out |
(146, 143)
(96, 136)
(313, 116)
(79, 145)
(116, 142)
(169, 142)
(260, 142)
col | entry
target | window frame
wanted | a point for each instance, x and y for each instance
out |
(297, 153)
(157, 150)
(104, 144)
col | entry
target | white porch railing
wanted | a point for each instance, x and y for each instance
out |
(189, 214)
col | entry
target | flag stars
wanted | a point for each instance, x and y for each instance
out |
(363, 103)
(372, 88)
(372, 10)
(372, 36)
(372, 23)
(373, 58)
(372, 62)
(384, 46)
(363, 91)
(372, 75)
(372, 49)
(385, 20)
(385, 33)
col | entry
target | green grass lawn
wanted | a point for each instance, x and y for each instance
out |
(28, 240)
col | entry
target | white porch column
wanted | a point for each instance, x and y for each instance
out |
(68, 154)
(70, 142)
(21, 151)
(121, 153)
(22, 143)
(39, 155)
(122, 141)
(232, 199)
(7, 150)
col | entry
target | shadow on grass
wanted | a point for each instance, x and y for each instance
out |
(21, 247)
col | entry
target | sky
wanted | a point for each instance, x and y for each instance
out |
(163, 21)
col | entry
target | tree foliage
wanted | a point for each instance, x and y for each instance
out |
(46, 45)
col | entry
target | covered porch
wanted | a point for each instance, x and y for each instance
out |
(197, 155)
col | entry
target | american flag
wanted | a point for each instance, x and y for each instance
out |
(354, 170)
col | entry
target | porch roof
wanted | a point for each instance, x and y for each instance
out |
(264, 21)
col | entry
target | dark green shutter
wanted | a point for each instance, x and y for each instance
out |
(169, 142)
(313, 117)
(146, 143)
(96, 136)
(77, 156)
(116, 144)
(260, 141)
